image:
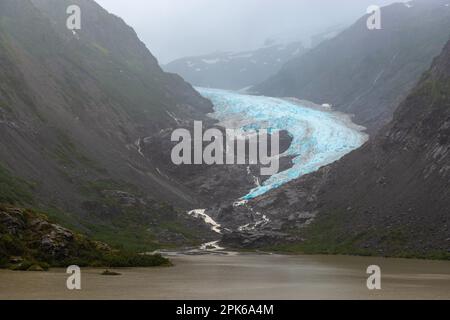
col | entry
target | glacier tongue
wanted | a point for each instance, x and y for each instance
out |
(320, 137)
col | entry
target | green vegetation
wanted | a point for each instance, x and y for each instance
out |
(126, 227)
(115, 259)
(27, 265)
(67, 153)
(123, 217)
(5, 106)
(103, 50)
(14, 190)
(132, 238)
(437, 89)
(327, 236)
(135, 260)
(311, 247)
(94, 189)
(29, 241)
(129, 85)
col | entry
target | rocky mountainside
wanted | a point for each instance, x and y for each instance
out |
(29, 241)
(73, 109)
(368, 72)
(235, 71)
(391, 197)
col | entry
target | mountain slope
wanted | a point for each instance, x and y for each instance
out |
(398, 186)
(391, 197)
(29, 241)
(72, 108)
(235, 71)
(364, 72)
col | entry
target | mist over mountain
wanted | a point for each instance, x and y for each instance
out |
(175, 29)
(368, 72)
(235, 70)
(87, 120)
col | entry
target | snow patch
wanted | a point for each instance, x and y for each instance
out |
(200, 214)
(259, 223)
(211, 246)
(296, 52)
(172, 115)
(138, 144)
(240, 203)
(211, 61)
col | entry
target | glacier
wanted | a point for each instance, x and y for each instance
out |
(320, 136)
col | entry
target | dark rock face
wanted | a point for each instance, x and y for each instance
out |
(30, 242)
(288, 211)
(392, 196)
(33, 232)
(368, 73)
(214, 185)
(255, 239)
(78, 104)
(399, 182)
(73, 106)
(13, 221)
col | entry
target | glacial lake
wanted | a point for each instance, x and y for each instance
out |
(243, 276)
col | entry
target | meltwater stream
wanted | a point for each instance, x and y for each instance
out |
(320, 137)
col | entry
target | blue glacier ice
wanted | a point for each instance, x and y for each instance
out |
(319, 137)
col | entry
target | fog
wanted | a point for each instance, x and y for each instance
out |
(177, 28)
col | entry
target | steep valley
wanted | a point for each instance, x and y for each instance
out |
(73, 106)
(86, 119)
(365, 72)
(390, 197)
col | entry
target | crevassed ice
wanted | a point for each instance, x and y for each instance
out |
(319, 137)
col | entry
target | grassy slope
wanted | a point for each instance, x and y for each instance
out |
(24, 250)
(421, 119)
(324, 236)
(24, 244)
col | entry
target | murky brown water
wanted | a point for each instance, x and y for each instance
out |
(243, 277)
